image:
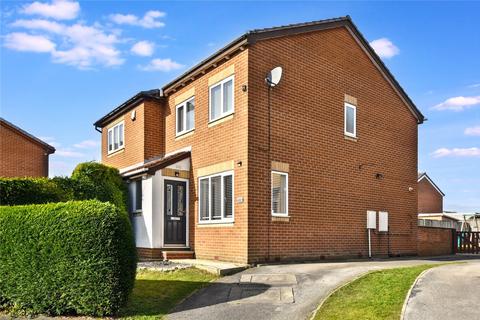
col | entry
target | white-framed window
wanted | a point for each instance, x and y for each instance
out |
(221, 99)
(185, 116)
(136, 195)
(215, 204)
(350, 120)
(116, 135)
(279, 193)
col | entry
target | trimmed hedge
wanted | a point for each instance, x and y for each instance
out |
(66, 258)
(89, 180)
(17, 191)
(97, 181)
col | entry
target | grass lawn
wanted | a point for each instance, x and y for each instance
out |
(377, 295)
(155, 293)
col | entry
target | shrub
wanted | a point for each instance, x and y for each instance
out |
(16, 191)
(89, 180)
(66, 258)
(97, 181)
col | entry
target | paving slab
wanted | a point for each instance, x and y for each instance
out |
(270, 292)
(446, 292)
(220, 268)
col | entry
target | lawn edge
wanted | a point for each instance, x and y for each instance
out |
(409, 293)
(314, 313)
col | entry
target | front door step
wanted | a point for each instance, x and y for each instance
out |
(178, 254)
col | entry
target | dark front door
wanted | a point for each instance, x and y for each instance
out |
(175, 221)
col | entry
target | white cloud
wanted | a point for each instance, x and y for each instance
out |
(58, 9)
(473, 131)
(143, 48)
(82, 46)
(69, 153)
(475, 85)
(26, 42)
(86, 144)
(458, 103)
(91, 46)
(39, 24)
(456, 152)
(51, 141)
(161, 65)
(149, 20)
(384, 48)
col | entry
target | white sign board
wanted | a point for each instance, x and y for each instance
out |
(371, 219)
(383, 221)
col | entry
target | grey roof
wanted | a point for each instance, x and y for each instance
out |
(130, 103)
(50, 149)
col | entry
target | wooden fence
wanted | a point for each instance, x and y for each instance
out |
(467, 242)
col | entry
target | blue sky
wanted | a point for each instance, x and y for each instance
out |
(64, 64)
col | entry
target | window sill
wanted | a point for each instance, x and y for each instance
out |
(215, 224)
(185, 134)
(221, 120)
(279, 218)
(350, 138)
(112, 153)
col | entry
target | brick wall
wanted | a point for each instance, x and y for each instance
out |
(144, 136)
(20, 156)
(217, 142)
(435, 241)
(429, 199)
(328, 193)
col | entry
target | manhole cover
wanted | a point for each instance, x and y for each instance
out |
(252, 294)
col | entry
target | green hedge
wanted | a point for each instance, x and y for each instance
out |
(89, 180)
(17, 191)
(65, 258)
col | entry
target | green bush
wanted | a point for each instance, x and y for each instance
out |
(89, 180)
(65, 258)
(97, 181)
(17, 191)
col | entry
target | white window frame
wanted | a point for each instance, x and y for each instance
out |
(223, 219)
(220, 83)
(184, 105)
(120, 147)
(134, 197)
(350, 134)
(279, 214)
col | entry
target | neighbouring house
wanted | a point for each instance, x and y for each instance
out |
(430, 197)
(22, 154)
(220, 165)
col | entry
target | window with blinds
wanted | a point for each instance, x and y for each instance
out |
(279, 193)
(216, 198)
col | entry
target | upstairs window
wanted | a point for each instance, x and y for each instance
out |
(279, 193)
(350, 120)
(221, 99)
(116, 137)
(216, 198)
(185, 116)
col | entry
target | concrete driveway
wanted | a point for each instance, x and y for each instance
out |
(446, 292)
(289, 291)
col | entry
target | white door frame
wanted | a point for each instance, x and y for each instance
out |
(187, 212)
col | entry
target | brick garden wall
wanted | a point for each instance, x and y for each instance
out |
(434, 241)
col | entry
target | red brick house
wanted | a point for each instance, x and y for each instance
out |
(430, 197)
(223, 166)
(22, 154)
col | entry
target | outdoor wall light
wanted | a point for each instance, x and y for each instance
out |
(410, 189)
(177, 173)
(244, 88)
(239, 163)
(379, 176)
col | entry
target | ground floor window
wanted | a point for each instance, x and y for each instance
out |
(279, 193)
(136, 196)
(216, 198)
